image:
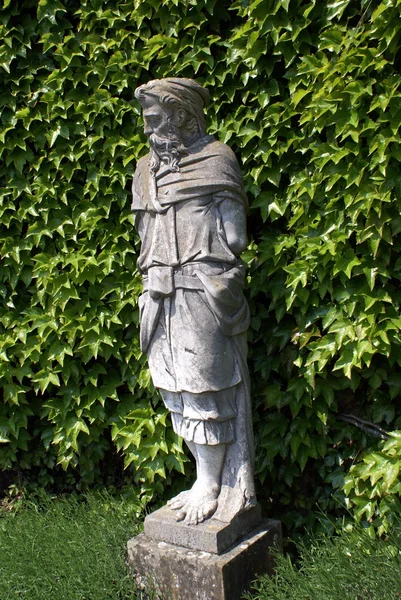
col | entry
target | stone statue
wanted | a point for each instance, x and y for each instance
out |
(190, 211)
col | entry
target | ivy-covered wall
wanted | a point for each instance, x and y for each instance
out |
(307, 93)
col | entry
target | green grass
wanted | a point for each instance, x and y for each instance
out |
(70, 549)
(67, 549)
(351, 566)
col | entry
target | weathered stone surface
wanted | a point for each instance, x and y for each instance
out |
(181, 574)
(210, 536)
(190, 211)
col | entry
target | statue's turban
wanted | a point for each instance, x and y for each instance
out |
(176, 90)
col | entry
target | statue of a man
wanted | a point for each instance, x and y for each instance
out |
(190, 211)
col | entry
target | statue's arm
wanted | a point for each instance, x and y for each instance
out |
(139, 223)
(233, 218)
(137, 205)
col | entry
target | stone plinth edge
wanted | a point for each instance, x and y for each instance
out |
(211, 536)
(177, 573)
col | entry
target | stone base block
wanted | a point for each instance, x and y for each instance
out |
(211, 536)
(177, 573)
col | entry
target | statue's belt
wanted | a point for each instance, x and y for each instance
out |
(162, 282)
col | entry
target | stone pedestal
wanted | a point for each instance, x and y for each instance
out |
(177, 572)
(212, 535)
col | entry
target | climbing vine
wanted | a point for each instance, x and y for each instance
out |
(307, 93)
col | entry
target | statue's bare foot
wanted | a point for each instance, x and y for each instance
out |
(179, 501)
(200, 505)
(193, 513)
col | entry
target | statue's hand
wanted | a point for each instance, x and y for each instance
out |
(234, 224)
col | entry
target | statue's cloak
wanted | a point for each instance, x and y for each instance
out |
(195, 332)
(210, 167)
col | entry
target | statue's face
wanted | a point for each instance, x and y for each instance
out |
(156, 120)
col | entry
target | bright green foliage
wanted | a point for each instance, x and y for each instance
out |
(74, 380)
(373, 486)
(308, 95)
(328, 255)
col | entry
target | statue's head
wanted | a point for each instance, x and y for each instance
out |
(173, 117)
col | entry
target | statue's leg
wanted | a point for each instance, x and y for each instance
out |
(206, 422)
(179, 501)
(202, 500)
(173, 401)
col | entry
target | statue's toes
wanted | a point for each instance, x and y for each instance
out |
(177, 505)
(181, 515)
(178, 501)
(200, 512)
(193, 516)
(208, 509)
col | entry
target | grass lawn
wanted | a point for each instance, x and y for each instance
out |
(66, 549)
(69, 549)
(350, 566)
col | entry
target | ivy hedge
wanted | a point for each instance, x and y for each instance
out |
(307, 93)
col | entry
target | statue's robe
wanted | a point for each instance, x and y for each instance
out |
(194, 315)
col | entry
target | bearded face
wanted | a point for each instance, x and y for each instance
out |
(164, 137)
(166, 150)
